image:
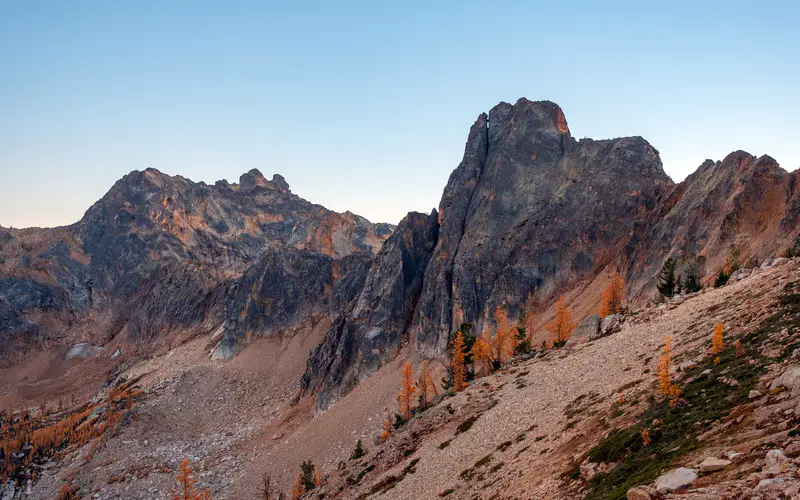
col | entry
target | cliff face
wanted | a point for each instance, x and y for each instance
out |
(530, 211)
(372, 329)
(159, 255)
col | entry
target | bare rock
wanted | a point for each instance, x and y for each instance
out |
(588, 329)
(789, 379)
(777, 461)
(687, 365)
(639, 493)
(611, 324)
(713, 464)
(754, 394)
(675, 480)
(793, 450)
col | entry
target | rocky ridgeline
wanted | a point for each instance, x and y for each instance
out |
(530, 213)
(159, 257)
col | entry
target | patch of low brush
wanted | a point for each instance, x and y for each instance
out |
(706, 399)
(391, 480)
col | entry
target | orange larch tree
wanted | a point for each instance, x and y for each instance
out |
(298, 489)
(407, 389)
(665, 385)
(422, 385)
(562, 325)
(187, 485)
(613, 296)
(502, 343)
(717, 341)
(387, 429)
(457, 362)
(482, 355)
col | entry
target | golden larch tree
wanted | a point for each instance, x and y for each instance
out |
(562, 325)
(717, 342)
(668, 389)
(187, 485)
(482, 355)
(457, 362)
(298, 489)
(646, 439)
(613, 296)
(387, 429)
(424, 385)
(502, 343)
(407, 389)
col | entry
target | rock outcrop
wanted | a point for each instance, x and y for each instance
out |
(530, 211)
(374, 327)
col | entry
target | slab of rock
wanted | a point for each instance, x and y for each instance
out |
(793, 450)
(675, 480)
(754, 394)
(713, 464)
(776, 461)
(639, 493)
(588, 329)
(611, 324)
(790, 379)
(687, 365)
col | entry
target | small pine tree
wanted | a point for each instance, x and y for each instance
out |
(665, 385)
(407, 389)
(613, 296)
(358, 452)
(717, 341)
(318, 479)
(691, 277)
(561, 326)
(721, 279)
(457, 363)
(666, 278)
(307, 475)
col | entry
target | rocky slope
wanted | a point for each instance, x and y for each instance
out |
(160, 258)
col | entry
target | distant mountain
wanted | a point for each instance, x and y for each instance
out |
(159, 256)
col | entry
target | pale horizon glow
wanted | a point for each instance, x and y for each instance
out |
(365, 107)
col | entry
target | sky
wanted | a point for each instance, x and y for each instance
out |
(366, 106)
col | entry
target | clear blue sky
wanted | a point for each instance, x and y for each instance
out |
(365, 107)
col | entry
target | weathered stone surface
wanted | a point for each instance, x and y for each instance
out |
(611, 324)
(776, 461)
(713, 464)
(523, 211)
(789, 379)
(675, 480)
(588, 329)
(639, 493)
(373, 328)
